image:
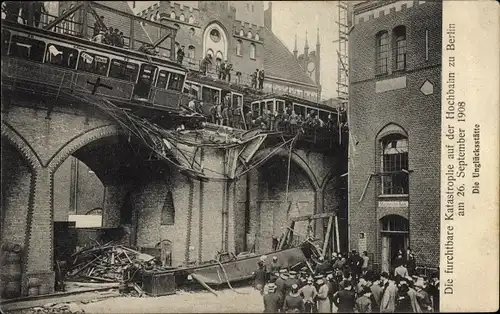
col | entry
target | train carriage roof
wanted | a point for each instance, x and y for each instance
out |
(301, 101)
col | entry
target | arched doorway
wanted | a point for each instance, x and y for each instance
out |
(394, 232)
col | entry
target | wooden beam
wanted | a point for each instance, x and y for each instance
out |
(64, 16)
(311, 217)
(327, 236)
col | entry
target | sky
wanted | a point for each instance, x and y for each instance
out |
(297, 17)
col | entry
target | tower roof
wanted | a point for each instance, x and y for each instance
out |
(279, 62)
(306, 46)
(295, 45)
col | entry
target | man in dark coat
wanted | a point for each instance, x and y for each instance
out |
(180, 55)
(345, 299)
(38, 9)
(272, 300)
(260, 277)
(293, 301)
(261, 79)
(280, 284)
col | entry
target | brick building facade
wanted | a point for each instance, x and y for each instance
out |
(395, 123)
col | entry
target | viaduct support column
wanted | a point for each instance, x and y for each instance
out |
(39, 249)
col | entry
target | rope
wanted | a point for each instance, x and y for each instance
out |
(227, 279)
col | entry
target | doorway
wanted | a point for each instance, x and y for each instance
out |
(395, 237)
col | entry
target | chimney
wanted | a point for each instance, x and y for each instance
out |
(268, 17)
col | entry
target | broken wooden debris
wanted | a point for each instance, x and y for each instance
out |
(108, 263)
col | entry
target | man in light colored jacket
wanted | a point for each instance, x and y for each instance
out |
(389, 291)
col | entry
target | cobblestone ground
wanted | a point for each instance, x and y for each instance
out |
(245, 300)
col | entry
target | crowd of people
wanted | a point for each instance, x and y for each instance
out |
(30, 12)
(346, 283)
(109, 36)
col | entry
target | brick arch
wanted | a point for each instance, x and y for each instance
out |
(21, 145)
(81, 141)
(298, 160)
(391, 128)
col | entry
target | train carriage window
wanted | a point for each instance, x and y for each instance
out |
(300, 110)
(323, 115)
(61, 56)
(162, 79)
(192, 89)
(123, 70)
(175, 81)
(280, 104)
(90, 62)
(237, 101)
(208, 95)
(5, 41)
(27, 48)
(270, 105)
(255, 109)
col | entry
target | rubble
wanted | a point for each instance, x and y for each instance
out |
(69, 308)
(108, 263)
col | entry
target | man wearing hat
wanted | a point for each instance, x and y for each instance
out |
(322, 266)
(280, 283)
(323, 303)
(309, 293)
(363, 303)
(292, 280)
(293, 301)
(332, 286)
(275, 265)
(272, 300)
(259, 277)
(423, 299)
(388, 295)
(345, 298)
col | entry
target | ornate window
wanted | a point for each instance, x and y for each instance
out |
(394, 164)
(239, 44)
(400, 48)
(242, 33)
(249, 34)
(215, 35)
(257, 37)
(252, 51)
(191, 19)
(182, 18)
(191, 32)
(172, 15)
(382, 53)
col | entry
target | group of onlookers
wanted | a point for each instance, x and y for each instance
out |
(345, 283)
(30, 12)
(109, 36)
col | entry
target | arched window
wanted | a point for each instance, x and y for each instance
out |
(242, 33)
(172, 15)
(382, 52)
(399, 44)
(249, 34)
(239, 44)
(257, 37)
(210, 52)
(191, 19)
(219, 56)
(394, 164)
(191, 52)
(157, 18)
(153, 17)
(252, 51)
(182, 17)
(191, 32)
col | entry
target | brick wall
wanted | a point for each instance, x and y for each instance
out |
(16, 180)
(417, 114)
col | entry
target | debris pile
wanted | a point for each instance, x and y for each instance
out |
(66, 308)
(109, 263)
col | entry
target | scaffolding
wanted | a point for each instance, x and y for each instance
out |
(342, 55)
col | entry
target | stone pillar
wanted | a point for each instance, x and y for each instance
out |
(39, 253)
(212, 206)
(113, 201)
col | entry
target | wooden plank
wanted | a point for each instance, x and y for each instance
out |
(327, 236)
(337, 233)
(310, 217)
